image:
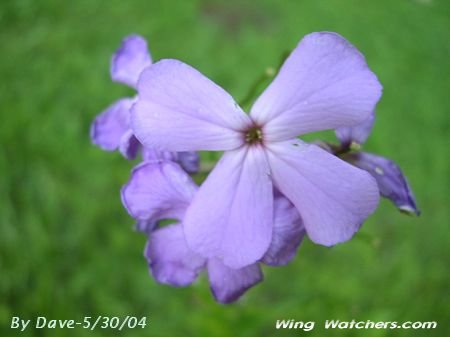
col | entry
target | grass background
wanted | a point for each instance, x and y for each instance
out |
(67, 248)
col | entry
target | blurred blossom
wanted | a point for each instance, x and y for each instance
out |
(111, 129)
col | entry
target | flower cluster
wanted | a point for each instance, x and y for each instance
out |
(269, 189)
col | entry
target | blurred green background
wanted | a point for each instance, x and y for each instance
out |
(67, 247)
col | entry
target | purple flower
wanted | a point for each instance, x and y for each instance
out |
(111, 129)
(324, 84)
(392, 183)
(162, 190)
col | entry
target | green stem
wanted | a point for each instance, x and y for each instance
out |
(269, 73)
(254, 88)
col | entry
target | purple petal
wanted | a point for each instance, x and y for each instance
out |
(146, 226)
(158, 190)
(288, 233)
(129, 60)
(179, 109)
(189, 161)
(324, 84)
(356, 134)
(170, 260)
(109, 127)
(231, 216)
(129, 145)
(228, 284)
(390, 178)
(155, 155)
(333, 197)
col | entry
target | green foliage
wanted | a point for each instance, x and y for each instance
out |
(67, 247)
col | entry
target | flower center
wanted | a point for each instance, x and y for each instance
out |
(253, 135)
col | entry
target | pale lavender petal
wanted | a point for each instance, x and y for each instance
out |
(129, 145)
(129, 60)
(324, 84)
(109, 127)
(332, 197)
(156, 155)
(179, 109)
(158, 190)
(231, 216)
(228, 284)
(170, 260)
(390, 178)
(288, 233)
(189, 161)
(356, 134)
(146, 226)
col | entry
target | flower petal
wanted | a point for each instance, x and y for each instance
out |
(158, 190)
(231, 216)
(390, 178)
(109, 127)
(146, 226)
(129, 60)
(129, 145)
(228, 284)
(156, 155)
(324, 84)
(288, 233)
(189, 161)
(179, 109)
(333, 197)
(170, 260)
(356, 134)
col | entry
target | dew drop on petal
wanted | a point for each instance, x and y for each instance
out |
(379, 170)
